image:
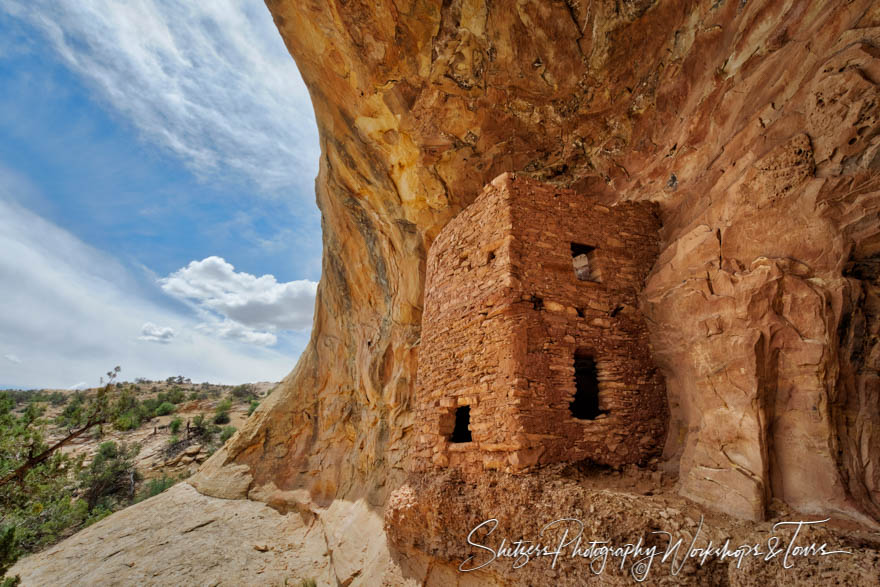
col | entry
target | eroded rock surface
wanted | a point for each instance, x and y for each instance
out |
(752, 124)
(181, 537)
(434, 515)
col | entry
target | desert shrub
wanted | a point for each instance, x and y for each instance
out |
(44, 493)
(165, 408)
(128, 420)
(174, 425)
(73, 413)
(221, 413)
(38, 507)
(154, 487)
(243, 392)
(174, 396)
(227, 433)
(129, 412)
(254, 405)
(7, 556)
(57, 398)
(149, 406)
(202, 428)
(110, 476)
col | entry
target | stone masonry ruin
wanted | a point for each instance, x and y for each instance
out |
(533, 349)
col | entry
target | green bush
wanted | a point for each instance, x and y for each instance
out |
(203, 428)
(40, 508)
(227, 433)
(149, 406)
(165, 408)
(7, 555)
(57, 398)
(174, 425)
(130, 412)
(254, 405)
(127, 421)
(73, 413)
(110, 475)
(154, 487)
(244, 392)
(174, 396)
(46, 494)
(221, 414)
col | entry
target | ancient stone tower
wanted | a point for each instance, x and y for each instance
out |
(533, 349)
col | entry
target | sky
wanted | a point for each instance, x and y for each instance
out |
(157, 201)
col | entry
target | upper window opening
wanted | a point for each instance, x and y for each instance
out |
(584, 262)
(462, 430)
(585, 405)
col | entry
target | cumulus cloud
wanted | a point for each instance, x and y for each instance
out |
(210, 82)
(73, 309)
(235, 331)
(152, 333)
(239, 305)
(12, 358)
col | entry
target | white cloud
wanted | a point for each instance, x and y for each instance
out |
(80, 385)
(74, 312)
(239, 305)
(235, 331)
(12, 358)
(209, 81)
(152, 333)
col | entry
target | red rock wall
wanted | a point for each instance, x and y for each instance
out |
(504, 316)
(753, 125)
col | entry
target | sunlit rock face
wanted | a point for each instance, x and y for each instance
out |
(753, 125)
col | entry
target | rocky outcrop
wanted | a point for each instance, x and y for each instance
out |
(181, 537)
(752, 124)
(461, 526)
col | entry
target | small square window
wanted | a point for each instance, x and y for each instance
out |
(584, 261)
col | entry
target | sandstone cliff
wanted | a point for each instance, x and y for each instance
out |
(752, 124)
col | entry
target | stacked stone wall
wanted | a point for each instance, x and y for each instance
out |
(505, 314)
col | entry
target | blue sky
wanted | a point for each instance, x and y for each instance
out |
(157, 165)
